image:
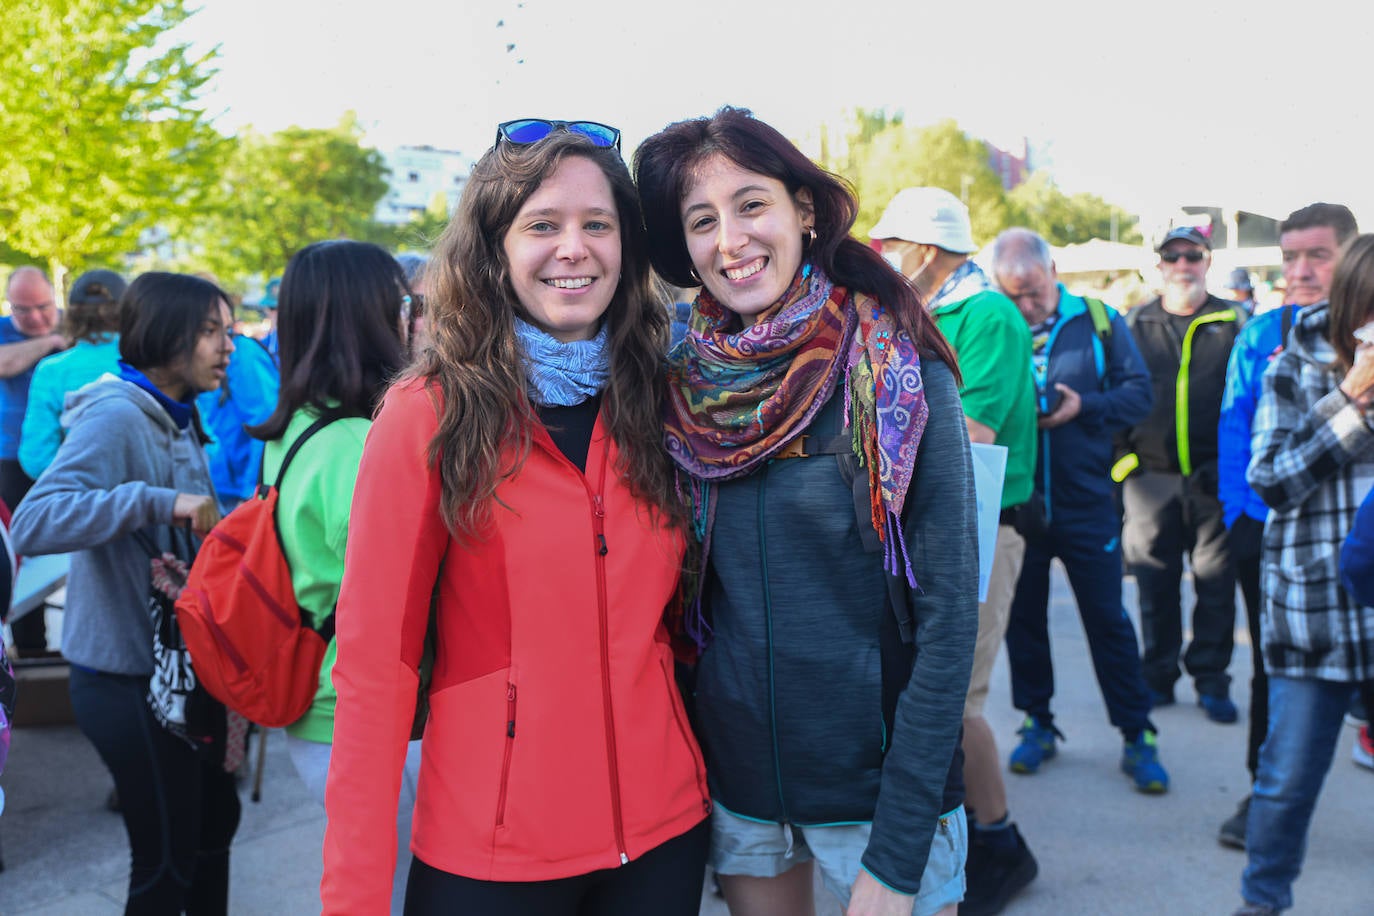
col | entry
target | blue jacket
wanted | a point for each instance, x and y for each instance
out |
(54, 378)
(1357, 555)
(247, 397)
(1253, 352)
(1073, 466)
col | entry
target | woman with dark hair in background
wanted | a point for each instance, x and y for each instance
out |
(91, 322)
(132, 466)
(341, 317)
(515, 499)
(815, 407)
(1313, 464)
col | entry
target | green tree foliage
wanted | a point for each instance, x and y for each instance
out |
(1065, 219)
(882, 154)
(885, 156)
(102, 130)
(280, 192)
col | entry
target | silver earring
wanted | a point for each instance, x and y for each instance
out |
(693, 272)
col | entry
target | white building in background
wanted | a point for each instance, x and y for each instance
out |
(418, 173)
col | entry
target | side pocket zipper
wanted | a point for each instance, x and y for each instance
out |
(505, 760)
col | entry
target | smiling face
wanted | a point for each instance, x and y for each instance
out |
(564, 251)
(31, 303)
(744, 234)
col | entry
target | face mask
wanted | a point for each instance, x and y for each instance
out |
(1365, 333)
(893, 258)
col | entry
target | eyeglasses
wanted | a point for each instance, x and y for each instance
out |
(1192, 256)
(531, 130)
(30, 309)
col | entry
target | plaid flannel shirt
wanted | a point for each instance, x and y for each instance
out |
(1312, 463)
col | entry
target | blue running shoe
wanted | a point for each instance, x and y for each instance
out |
(1037, 746)
(1218, 707)
(1140, 761)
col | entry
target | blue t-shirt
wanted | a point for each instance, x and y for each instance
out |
(14, 395)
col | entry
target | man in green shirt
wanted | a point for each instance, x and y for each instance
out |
(927, 236)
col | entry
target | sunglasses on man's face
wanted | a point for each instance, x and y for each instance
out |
(531, 130)
(1192, 256)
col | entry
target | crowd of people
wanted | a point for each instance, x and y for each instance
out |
(611, 602)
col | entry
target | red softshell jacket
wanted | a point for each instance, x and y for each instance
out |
(556, 743)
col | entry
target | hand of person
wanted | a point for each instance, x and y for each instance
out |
(1358, 384)
(197, 510)
(870, 898)
(1069, 406)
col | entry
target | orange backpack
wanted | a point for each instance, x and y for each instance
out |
(250, 642)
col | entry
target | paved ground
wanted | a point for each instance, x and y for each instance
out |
(1103, 849)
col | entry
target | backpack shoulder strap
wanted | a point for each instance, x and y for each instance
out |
(841, 445)
(310, 430)
(1102, 322)
(1285, 324)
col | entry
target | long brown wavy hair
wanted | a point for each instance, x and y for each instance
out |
(486, 417)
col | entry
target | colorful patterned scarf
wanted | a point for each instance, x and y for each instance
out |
(736, 398)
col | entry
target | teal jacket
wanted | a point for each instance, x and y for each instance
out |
(54, 378)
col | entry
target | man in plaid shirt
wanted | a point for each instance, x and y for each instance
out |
(1313, 464)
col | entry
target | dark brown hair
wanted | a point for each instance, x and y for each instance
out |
(486, 418)
(667, 163)
(1352, 299)
(1337, 216)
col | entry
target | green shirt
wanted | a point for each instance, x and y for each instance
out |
(993, 346)
(312, 518)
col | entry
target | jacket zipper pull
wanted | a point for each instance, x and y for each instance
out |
(510, 708)
(599, 507)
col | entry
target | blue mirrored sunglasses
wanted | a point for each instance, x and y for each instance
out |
(525, 131)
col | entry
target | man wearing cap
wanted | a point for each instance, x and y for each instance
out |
(1242, 290)
(27, 334)
(926, 235)
(1170, 495)
(1310, 240)
(1091, 383)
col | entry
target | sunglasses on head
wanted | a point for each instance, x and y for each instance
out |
(1192, 256)
(525, 131)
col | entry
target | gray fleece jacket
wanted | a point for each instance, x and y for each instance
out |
(119, 470)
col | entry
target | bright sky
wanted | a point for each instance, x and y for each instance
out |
(1233, 103)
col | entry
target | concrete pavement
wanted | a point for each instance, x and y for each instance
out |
(1102, 847)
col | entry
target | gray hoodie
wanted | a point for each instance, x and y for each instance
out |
(119, 470)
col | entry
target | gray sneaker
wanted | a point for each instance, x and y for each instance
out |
(1232, 832)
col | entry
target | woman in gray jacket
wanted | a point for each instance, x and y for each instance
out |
(133, 465)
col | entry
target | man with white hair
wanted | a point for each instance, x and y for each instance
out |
(1091, 382)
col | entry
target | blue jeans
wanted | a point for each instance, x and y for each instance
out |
(1304, 725)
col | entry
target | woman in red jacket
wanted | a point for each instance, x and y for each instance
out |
(514, 497)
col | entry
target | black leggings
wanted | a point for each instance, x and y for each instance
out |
(180, 811)
(665, 881)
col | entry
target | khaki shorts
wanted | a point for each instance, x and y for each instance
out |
(993, 615)
(764, 849)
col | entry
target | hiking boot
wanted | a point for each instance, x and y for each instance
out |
(994, 874)
(1363, 754)
(1232, 832)
(1218, 707)
(1140, 761)
(1037, 746)
(1256, 909)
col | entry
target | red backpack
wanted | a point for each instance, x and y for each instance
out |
(250, 642)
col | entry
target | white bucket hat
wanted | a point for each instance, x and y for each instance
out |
(927, 216)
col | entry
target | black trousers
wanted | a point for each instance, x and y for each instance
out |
(180, 811)
(30, 632)
(665, 881)
(1168, 516)
(1244, 541)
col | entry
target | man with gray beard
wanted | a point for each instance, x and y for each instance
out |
(1170, 495)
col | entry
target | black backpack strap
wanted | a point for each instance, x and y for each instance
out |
(1285, 324)
(310, 430)
(842, 447)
